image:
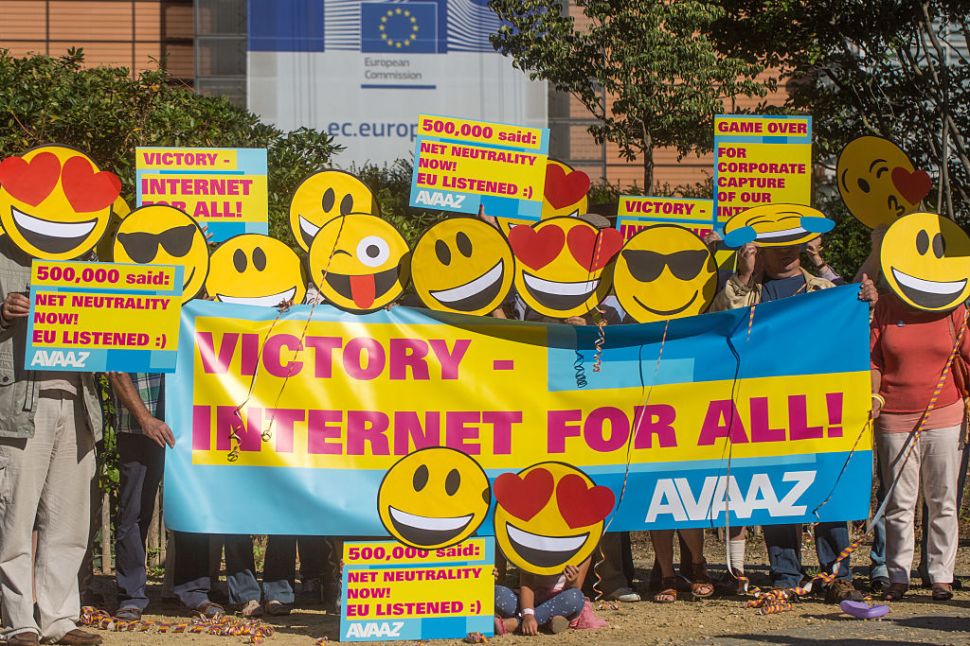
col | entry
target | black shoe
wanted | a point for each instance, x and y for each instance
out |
(878, 585)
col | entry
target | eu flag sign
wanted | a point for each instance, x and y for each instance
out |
(398, 28)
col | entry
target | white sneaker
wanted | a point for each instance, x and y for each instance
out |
(625, 595)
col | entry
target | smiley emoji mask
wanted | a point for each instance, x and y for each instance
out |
(548, 516)
(255, 269)
(359, 262)
(664, 272)
(164, 235)
(926, 261)
(323, 196)
(561, 265)
(433, 498)
(878, 182)
(776, 225)
(462, 265)
(54, 202)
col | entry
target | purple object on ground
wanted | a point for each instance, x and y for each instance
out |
(862, 610)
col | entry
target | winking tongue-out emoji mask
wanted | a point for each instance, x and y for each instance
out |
(462, 265)
(433, 498)
(548, 516)
(55, 203)
(359, 262)
(926, 261)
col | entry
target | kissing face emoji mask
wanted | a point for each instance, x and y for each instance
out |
(164, 235)
(254, 269)
(54, 202)
(926, 261)
(878, 182)
(358, 262)
(561, 265)
(548, 516)
(462, 265)
(776, 225)
(433, 498)
(664, 272)
(564, 194)
(323, 196)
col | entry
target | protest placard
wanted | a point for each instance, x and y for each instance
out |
(761, 160)
(637, 212)
(460, 165)
(391, 591)
(223, 188)
(96, 317)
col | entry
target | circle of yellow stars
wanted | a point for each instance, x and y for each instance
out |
(398, 43)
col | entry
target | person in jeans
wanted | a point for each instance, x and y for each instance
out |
(49, 424)
(909, 349)
(767, 274)
(279, 571)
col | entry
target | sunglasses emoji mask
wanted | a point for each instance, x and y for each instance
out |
(55, 203)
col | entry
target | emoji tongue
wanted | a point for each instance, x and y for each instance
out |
(362, 290)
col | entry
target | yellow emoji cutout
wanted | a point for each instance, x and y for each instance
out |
(878, 182)
(664, 272)
(105, 246)
(548, 516)
(433, 498)
(776, 225)
(564, 194)
(359, 262)
(561, 265)
(462, 265)
(926, 261)
(55, 203)
(255, 269)
(164, 235)
(323, 196)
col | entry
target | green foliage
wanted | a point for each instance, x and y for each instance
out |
(654, 59)
(391, 185)
(892, 68)
(106, 113)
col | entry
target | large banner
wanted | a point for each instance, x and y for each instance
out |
(364, 71)
(288, 423)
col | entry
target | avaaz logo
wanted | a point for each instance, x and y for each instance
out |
(59, 359)
(375, 629)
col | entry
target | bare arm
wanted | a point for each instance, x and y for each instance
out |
(127, 394)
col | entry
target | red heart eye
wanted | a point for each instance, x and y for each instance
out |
(523, 497)
(582, 506)
(31, 181)
(914, 186)
(594, 248)
(562, 188)
(87, 190)
(536, 248)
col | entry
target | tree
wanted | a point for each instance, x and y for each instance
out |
(893, 68)
(645, 69)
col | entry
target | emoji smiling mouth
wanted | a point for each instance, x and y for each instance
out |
(928, 293)
(677, 310)
(475, 294)
(559, 296)
(544, 551)
(426, 530)
(270, 300)
(363, 289)
(308, 230)
(51, 237)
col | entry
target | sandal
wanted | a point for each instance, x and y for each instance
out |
(942, 591)
(209, 610)
(702, 586)
(668, 590)
(895, 592)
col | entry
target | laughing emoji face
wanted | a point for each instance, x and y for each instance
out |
(664, 272)
(776, 225)
(54, 202)
(359, 262)
(462, 265)
(439, 481)
(564, 194)
(548, 516)
(878, 182)
(323, 196)
(561, 265)
(164, 235)
(254, 269)
(926, 261)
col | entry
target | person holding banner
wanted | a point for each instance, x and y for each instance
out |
(764, 274)
(908, 349)
(48, 429)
